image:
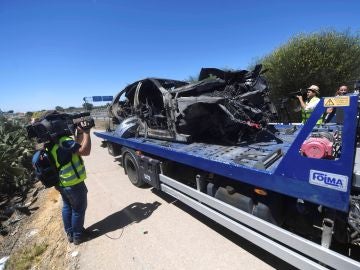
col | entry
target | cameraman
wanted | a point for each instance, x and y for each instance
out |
(67, 153)
(308, 106)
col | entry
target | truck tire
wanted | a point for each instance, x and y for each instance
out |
(113, 149)
(110, 148)
(131, 167)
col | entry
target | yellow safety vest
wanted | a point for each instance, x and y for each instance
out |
(71, 173)
(305, 114)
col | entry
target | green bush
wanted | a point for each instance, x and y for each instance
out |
(328, 59)
(15, 158)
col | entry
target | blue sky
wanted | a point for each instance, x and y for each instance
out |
(57, 52)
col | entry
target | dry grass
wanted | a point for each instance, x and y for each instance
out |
(27, 257)
(48, 247)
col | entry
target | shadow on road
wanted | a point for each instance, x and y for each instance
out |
(133, 213)
(258, 252)
(251, 248)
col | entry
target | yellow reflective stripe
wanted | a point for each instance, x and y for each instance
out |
(53, 153)
(305, 115)
(67, 168)
(67, 174)
(73, 176)
(72, 183)
(80, 170)
(55, 148)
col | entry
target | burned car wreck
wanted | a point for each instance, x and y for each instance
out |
(223, 107)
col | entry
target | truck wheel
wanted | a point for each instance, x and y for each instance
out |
(110, 148)
(113, 149)
(132, 168)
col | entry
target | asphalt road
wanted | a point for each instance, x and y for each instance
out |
(140, 228)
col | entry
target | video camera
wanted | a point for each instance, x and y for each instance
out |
(54, 125)
(301, 92)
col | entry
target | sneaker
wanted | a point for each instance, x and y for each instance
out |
(69, 237)
(78, 241)
(85, 236)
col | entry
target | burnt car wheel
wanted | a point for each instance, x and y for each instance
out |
(132, 168)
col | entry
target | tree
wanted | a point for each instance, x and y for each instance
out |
(59, 108)
(88, 106)
(328, 59)
(28, 116)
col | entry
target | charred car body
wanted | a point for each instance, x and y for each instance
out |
(223, 106)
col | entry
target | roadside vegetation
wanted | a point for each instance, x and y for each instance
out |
(15, 160)
(16, 150)
(26, 258)
(328, 59)
(30, 219)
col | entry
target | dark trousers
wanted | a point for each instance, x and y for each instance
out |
(74, 207)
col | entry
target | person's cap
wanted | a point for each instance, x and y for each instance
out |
(315, 89)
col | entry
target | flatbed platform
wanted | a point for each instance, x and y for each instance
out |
(275, 165)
